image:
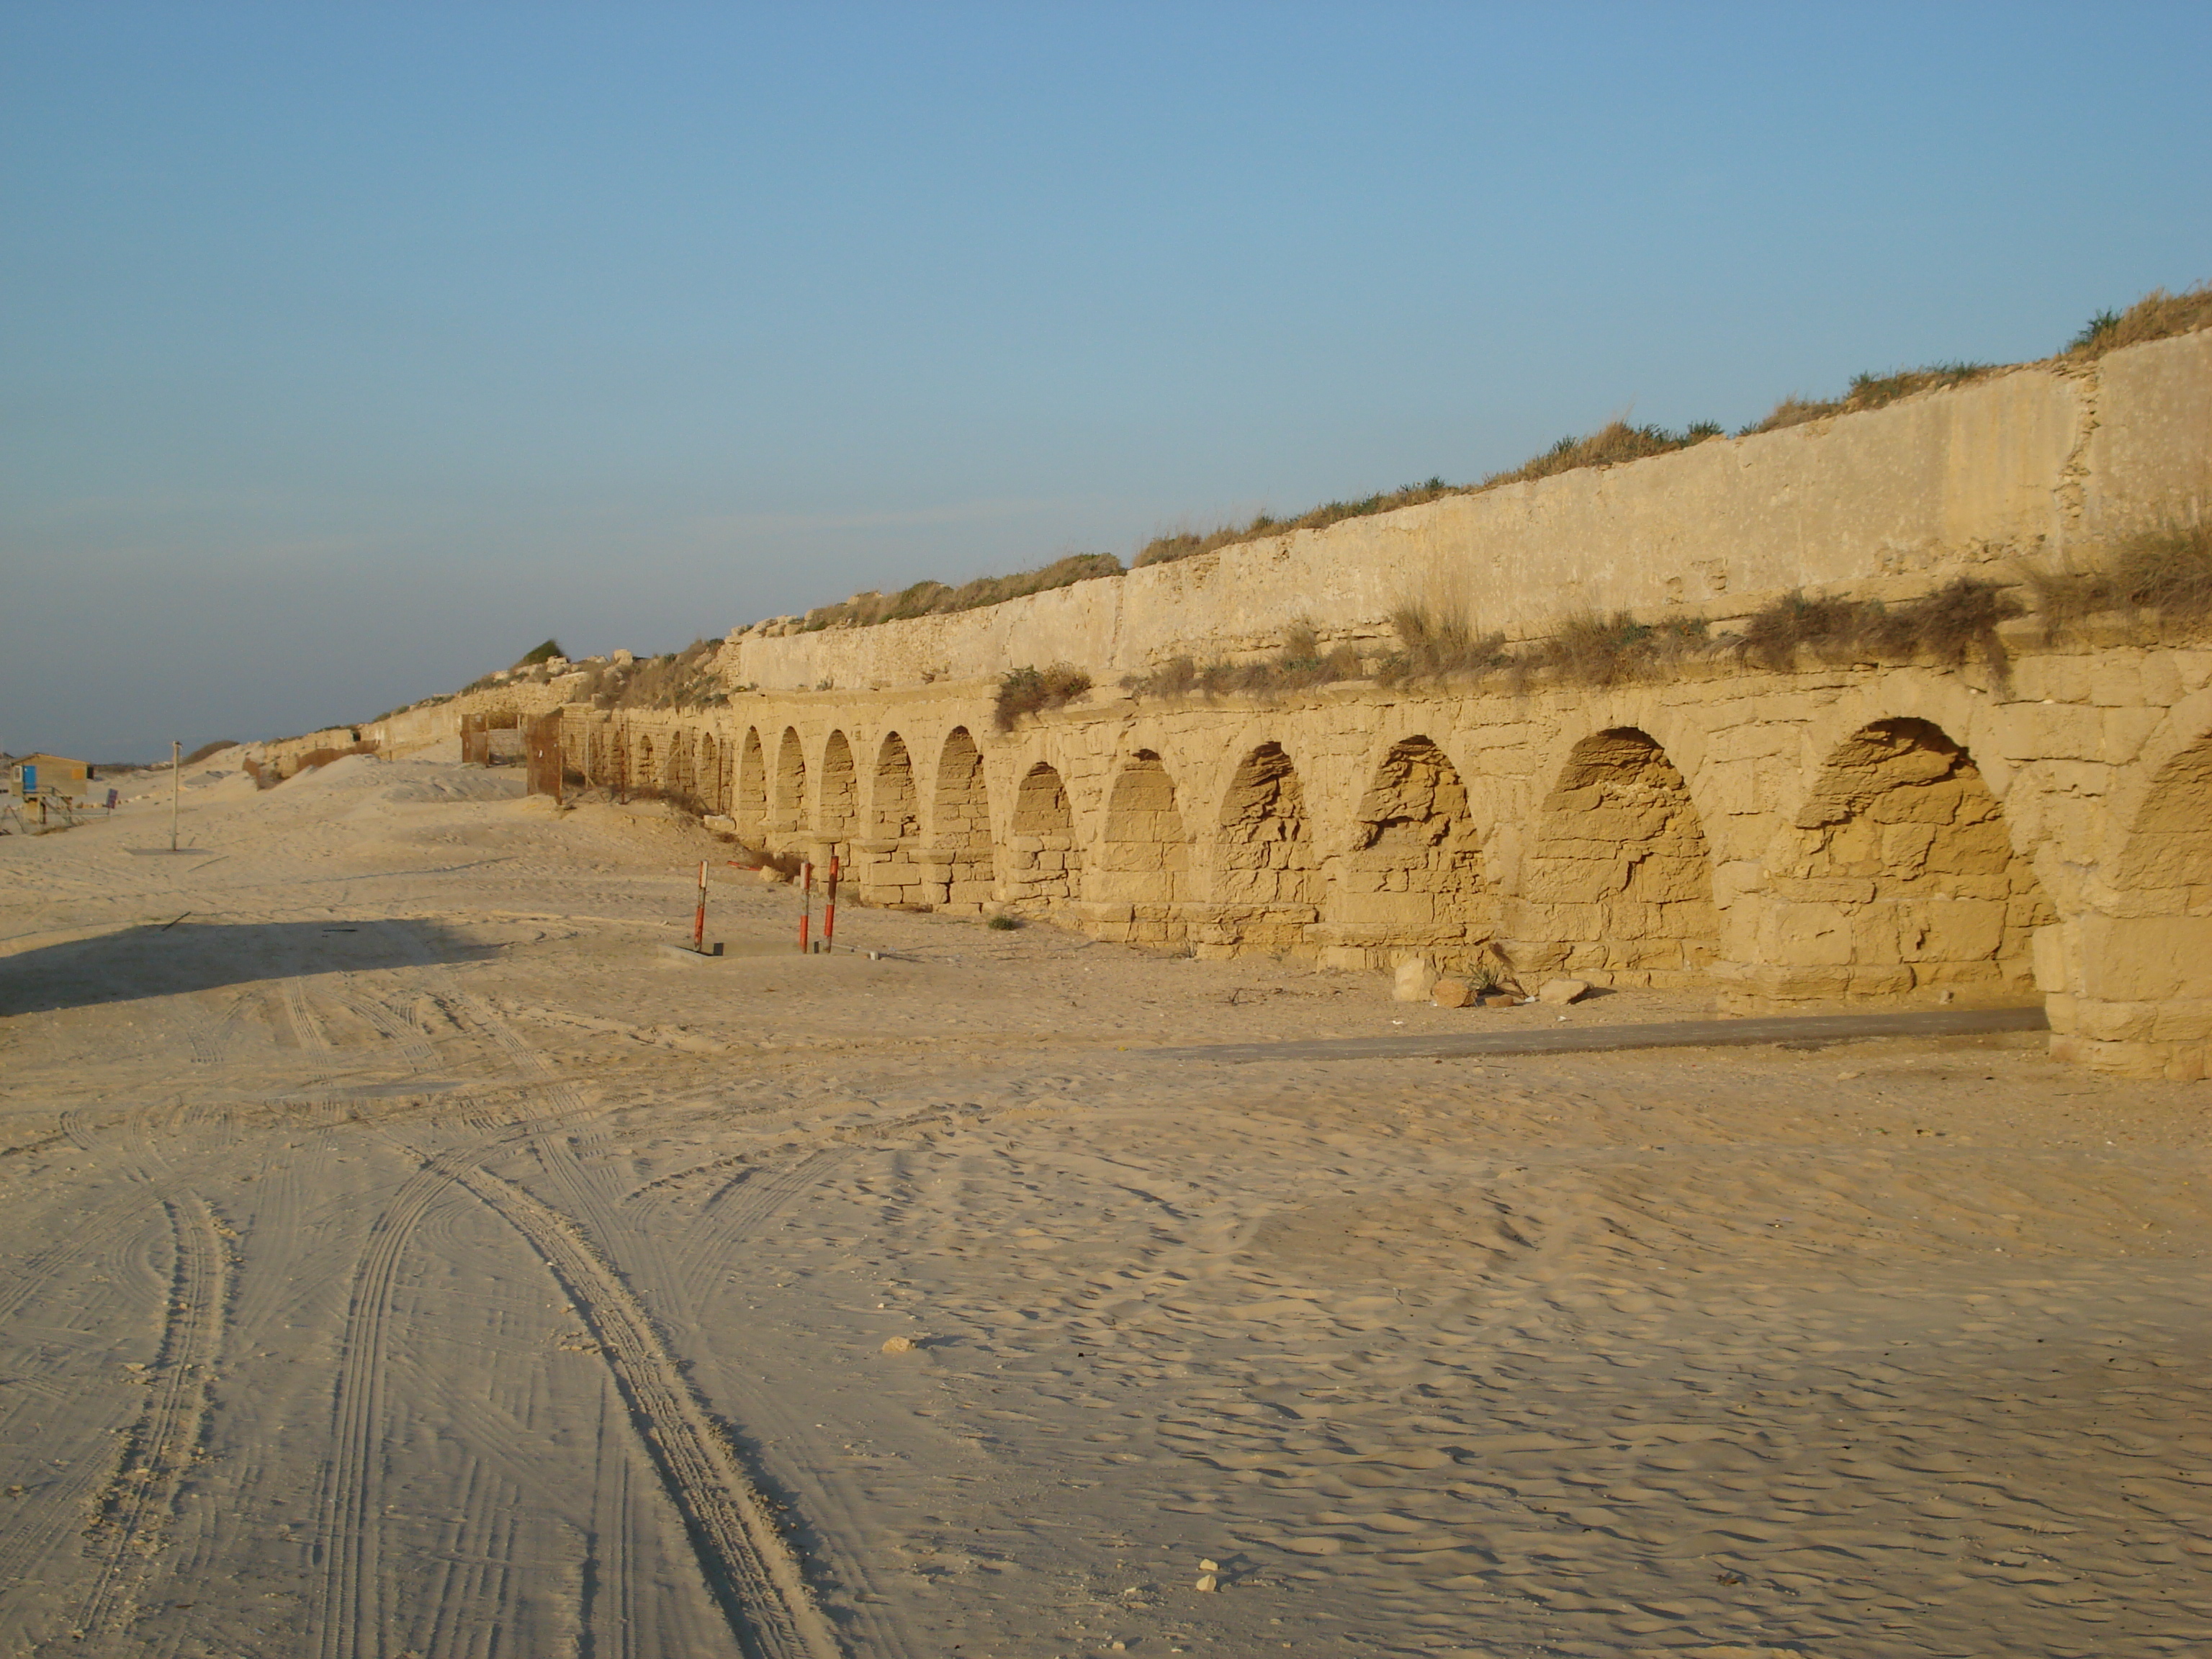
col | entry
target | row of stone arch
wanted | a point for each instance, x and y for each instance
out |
(1896, 873)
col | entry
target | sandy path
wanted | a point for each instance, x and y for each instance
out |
(399, 1257)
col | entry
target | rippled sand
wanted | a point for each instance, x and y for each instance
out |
(403, 1256)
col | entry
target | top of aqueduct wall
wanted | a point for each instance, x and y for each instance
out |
(2032, 464)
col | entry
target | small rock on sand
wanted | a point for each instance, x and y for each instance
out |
(1563, 990)
(1451, 994)
(899, 1345)
(1206, 1582)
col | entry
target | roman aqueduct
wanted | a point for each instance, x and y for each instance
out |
(1837, 830)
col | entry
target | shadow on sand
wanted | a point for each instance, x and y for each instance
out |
(154, 960)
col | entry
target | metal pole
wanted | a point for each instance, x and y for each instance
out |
(806, 907)
(176, 767)
(830, 909)
(699, 921)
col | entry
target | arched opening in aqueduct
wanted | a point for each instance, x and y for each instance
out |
(960, 826)
(2169, 852)
(889, 874)
(897, 815)
(840, 795)
(676, 768)
(2140, 977)
(1414, 880)
(752, 785)
(1268, 880)
(1898, 875)
(644, 778)
(790, 797)
(710, 785)
(1619, 886)
(1145, 854)
(1044, 861)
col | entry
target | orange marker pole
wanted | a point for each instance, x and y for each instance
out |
(806, 907)
(830, 909)
(698, 918)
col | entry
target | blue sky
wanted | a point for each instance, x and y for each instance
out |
(346, 351)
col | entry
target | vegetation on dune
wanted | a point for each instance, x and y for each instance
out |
(935, 598)
(1869, 391)
(2157, 316)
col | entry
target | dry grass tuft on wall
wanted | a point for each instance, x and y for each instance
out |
(1869, 391)
(1956, 622)
(1032, 690)
(2166, 573)
(1612, 444)
(208, 749)
(1301, 665)
(1586, 648)
(2157, 316)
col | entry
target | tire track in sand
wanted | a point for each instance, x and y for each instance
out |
(347, 1504)
(747, 1564)
(140, 1501)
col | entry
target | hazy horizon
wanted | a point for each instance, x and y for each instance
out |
(352, 352)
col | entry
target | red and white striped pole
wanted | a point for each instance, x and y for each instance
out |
(830, 909)
(699, 917)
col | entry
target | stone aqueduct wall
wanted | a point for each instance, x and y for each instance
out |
(1858, 832)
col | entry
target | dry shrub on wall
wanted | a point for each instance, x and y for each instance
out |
(208, 749)
(1585, 648)
(1032, 690)
(1439, 639)
(2168, 573)
(1300, 664)
(1956, 622)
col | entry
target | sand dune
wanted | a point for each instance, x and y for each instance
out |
(403, 1257)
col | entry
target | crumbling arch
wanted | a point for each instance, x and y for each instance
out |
(1618, 887)
(1044, 863)
(1413, 882)
(752, 784)
(960, 823)
(840, 791)
(1898, 875)
(1268, 880)
(644, 779)
(790, 796)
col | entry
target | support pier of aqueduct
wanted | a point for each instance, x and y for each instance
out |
(1852, 831)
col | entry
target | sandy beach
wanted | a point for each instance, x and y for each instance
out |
(405, 1257)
